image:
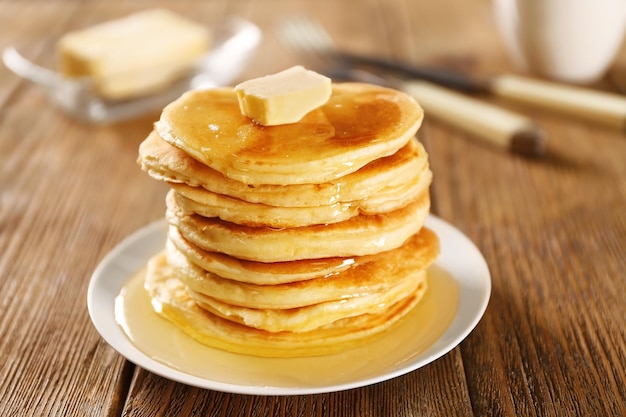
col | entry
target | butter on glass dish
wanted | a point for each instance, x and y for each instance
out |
(104, 75)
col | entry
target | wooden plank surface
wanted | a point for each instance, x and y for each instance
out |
(553, 231)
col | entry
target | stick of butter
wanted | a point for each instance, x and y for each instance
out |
(284, 97)
(135, 55)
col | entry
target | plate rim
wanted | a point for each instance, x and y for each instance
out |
(135, 243)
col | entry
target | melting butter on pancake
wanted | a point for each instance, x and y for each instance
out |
(165, 162)
(358, 124)
(418, 252)
(360, 235)
(172, 301)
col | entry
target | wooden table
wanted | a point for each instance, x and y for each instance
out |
(553, 231)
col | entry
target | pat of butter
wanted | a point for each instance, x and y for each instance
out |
(135, 55)
(284, 97)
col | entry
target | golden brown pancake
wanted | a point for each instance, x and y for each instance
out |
(260, 273)
(165, 162)
(359, 123)
(171, 300)
(208, 204)
(364, 279)
(311, 317)
(417, 253)
(196, 200)
(360, 235)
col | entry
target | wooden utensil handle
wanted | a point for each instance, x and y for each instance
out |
(601, 107)
(494, 125)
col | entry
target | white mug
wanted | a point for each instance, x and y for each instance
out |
(567, 40)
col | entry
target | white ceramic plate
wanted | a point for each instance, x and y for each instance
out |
(270, 376)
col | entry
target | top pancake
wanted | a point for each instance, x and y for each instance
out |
(359, 123)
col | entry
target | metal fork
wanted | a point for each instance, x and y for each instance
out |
(491, 124)
(312, 41)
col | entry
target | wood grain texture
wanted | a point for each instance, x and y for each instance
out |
(553, 231)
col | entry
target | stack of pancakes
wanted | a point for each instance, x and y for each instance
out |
(292, 240)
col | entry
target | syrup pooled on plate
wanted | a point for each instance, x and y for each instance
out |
(162, 341)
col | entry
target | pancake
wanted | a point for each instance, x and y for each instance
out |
(360, 235)
(358, 124)
(261, 273)
(172, 301)
(364, 279)
(417, 253)
(196, 200)
(208, 204)
(311, 317)
(165, 162)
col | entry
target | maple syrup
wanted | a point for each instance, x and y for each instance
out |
(165, 343)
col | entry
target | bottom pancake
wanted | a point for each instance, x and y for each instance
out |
(171, 300)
